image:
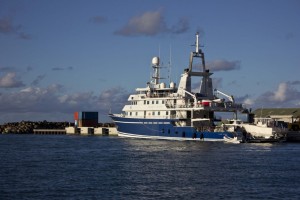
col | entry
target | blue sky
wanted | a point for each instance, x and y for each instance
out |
(57, 57)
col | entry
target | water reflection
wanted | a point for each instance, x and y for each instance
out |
(149, 145)
(261, 146)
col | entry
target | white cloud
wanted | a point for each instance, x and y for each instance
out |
(223, 65)
(52, 101)
(152, 23)
(10, 80)
(29, 89)
(280, 94)
(149, 23)
(113, 97)
(286, 95)
(248, 102)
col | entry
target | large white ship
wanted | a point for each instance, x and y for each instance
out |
(174, 112)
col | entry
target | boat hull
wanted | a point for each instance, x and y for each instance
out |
(163, 129)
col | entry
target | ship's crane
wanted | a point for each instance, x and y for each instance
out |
(230, 97)
(192, 95)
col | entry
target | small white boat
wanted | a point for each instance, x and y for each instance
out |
(231, 140)
(264, 129)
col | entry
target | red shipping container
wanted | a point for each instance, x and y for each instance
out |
(76, 116)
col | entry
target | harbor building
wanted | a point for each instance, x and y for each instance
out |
(288, 115)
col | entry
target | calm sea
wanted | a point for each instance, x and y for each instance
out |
(78, 167)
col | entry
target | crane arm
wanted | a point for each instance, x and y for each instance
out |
(230, 97)
(192, 95)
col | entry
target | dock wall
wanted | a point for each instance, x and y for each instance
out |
(293, 136)
(102, 131)
(49, 131)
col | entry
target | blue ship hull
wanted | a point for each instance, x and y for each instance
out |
(163, 129)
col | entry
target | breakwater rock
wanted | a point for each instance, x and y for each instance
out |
(24, 127)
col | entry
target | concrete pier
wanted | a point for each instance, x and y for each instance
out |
(106, 131)
(101, 131)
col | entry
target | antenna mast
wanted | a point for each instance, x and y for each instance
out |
(156, 67)
(197, 54)
(197, 43)
(170, 64)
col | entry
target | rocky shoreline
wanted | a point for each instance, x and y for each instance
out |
(26, 127)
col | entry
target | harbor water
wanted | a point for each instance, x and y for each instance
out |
(89, 167)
